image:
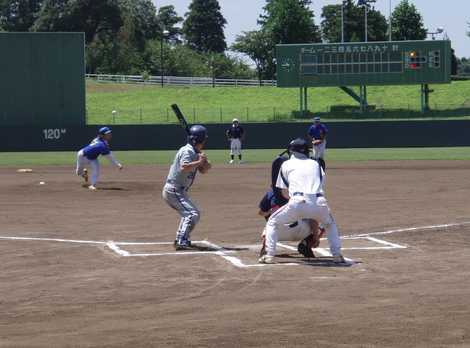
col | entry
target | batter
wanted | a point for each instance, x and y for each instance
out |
(188, 161)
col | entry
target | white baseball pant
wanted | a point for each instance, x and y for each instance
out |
(298, 208)
(235, 147)
(293, 234)
(319, 150)
(83, 162)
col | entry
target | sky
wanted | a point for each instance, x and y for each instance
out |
(453, 15)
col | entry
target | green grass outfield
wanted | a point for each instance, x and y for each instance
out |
(27, 159)
(147, 104)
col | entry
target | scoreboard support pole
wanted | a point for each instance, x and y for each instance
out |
(425, 91)
(303, 101)
(363, 96)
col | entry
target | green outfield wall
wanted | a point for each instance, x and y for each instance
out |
(258, 136)
(42, 79)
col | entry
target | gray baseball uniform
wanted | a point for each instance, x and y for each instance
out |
(175, 193)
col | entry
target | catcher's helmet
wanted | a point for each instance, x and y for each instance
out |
(299, 145)
(197, 134)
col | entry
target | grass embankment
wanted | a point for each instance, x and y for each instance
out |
(149, 104)
(26, 159)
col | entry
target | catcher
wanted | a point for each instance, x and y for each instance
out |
(307, 231)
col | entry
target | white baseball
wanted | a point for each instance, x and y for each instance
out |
(42, 183)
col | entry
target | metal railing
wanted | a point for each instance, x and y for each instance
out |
(180, 80)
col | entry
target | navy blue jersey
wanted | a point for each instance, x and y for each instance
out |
(235, 132)
(317, 131)
(97, 147)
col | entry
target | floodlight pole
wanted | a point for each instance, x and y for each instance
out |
(162, 66)
(342, 20)
(365, 18)
(390, 22)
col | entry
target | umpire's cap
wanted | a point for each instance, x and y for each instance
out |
(197, 134)
(299, 145)
(104, 131)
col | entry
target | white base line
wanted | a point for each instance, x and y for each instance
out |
(111, 245)
(388, 244)
(321, 251)
(411, 229)
(54, 240)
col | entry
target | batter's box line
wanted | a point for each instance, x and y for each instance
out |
(219, 251)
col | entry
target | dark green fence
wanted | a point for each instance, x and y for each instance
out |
(42, 79)
(259, 135)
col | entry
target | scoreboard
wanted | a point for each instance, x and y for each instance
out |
(361, 64)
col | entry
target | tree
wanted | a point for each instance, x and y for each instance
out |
(168, 19)
(89, 16)
(289, 21)
(407, 22)
(142, 22)
(354, 23)
(18, 15)
(258, 46)
(203, 27)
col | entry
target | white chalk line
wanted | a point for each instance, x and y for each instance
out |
(114, 246)
(411, 229)
(53, 240)
(321, 251)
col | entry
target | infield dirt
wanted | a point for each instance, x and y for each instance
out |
(57, 294)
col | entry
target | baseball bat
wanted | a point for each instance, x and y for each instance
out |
(180, 117)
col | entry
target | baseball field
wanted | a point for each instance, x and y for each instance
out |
(88, 269)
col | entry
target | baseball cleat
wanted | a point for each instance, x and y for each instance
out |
(85, 175)
(175, 243)
(339, 259)
(92, 188)
(266, 259)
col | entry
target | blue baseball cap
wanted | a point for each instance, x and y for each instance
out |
(104, 130)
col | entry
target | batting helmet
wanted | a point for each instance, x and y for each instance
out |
(197, 134)
(299, 145)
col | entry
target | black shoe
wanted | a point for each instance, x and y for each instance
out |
(186, 246)
(303, 249)
(179, 247)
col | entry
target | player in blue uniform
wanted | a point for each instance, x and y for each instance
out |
(88, 156)
(235, 134)
(317, 133)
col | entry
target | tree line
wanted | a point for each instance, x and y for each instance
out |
(127, 36)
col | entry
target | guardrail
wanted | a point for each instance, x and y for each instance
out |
(180, 81)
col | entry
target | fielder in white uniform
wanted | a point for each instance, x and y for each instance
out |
(301, 179)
